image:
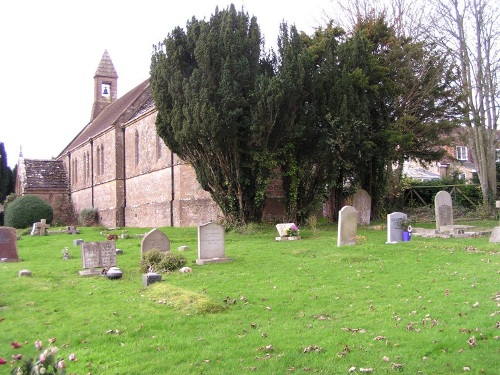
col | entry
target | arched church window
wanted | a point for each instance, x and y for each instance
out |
(98, 164)
(102, 159)
(136, 147)
(84, 167)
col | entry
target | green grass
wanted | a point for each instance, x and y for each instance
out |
(279, 308)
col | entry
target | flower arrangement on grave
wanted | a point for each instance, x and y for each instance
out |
(46, 362)
(292, 231)
(406, 225)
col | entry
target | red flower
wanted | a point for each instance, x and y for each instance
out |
(15, 345)
(3, 361)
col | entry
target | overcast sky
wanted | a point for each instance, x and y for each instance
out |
(51, 50)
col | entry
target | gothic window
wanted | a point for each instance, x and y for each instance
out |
(88, 166)
(76, 171)
(136, 147)
(462, 153)
(98, 160)
(102, 159)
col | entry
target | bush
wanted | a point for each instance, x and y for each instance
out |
(155, 261)
(89, 217)
(26, 210)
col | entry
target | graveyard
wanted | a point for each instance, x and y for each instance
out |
(319, 304)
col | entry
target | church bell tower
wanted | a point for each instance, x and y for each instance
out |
(105, 85)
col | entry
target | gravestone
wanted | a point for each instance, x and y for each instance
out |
(8, 245)
(495, 235)
(211, 244)
(150, 278)
(444, 209)
(97, 255)
(362, 202)
(394, 227)
(282, 231)
(155, 239)
(40, 229)
(72, 230)
(348, 226)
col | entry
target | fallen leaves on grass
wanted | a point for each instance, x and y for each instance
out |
(353, 330)
(472, 341)
(313, 348)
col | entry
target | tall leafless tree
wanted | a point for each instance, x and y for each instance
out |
(470, 30)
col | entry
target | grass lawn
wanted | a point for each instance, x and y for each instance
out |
(428, 306)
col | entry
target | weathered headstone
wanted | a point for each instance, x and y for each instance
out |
(211, 244)
(348, 226)
(40, 228)
(495, 235)
(155, 239)
(97, 255)
(362, 202)
(394, 227)
(8, 245)
(444, 209)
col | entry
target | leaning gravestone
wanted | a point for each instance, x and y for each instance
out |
(495, 235)
(155, 239)
(211, 244)
(348, 226)
(282, 231)
(444, 209)
(362, 202)
(394, 227)
(8, 245)
(97, 255)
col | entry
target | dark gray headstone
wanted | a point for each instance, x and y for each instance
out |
(348, 226)
(150, 278)
(8, 245)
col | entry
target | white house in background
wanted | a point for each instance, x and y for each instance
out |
(457, 160)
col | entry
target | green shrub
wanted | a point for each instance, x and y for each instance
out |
(89, 217)
(26, 210)
(155, 261)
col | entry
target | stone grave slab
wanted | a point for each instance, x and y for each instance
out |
(495, 235)
(394, 227)
(348, 226)
(443, 208)
(155, 239)
(8, 245)
(211, 244)
(97, 255)
(362, 202)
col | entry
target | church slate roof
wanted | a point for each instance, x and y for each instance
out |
(45, 174)
(117, 113)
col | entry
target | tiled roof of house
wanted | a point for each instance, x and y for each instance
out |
(45, 174)
(117, 113)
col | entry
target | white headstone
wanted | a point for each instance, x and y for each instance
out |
(348, 226)
(444, 209)
(362, 202)
(394, 227)
(282, 227)
(211, 244)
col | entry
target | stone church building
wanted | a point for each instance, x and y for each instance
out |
(118, 165)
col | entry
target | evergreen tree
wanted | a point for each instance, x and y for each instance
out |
(6, 176)
(209, 84)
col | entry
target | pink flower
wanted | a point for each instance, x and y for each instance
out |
(72, 357)
(38, 345)
(61, 364)
(43, 357)
(15, 345)
(52, 340)
(3, 361)
(18, 357)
